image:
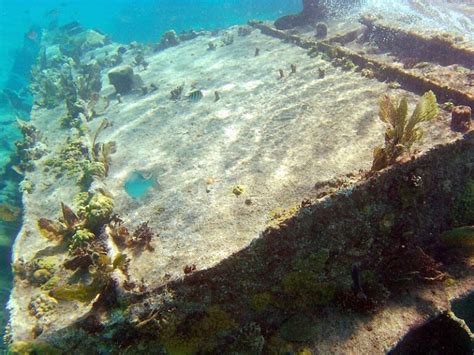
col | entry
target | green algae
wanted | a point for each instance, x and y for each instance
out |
(201, 335)
(464, 205)
(32, 348)
(298, 328)
(461, 237)
(262, 301)
(306, 292)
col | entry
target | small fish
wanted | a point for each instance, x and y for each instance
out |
(195, 96)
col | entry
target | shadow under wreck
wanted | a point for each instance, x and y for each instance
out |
(293, 288)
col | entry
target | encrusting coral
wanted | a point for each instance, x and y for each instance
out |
(89, 161)
(402, 132)
(93, 211)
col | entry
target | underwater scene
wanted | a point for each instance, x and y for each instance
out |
(237, 177)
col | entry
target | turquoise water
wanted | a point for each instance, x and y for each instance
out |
(138, 186)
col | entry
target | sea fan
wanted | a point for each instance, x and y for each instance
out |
(402, 132)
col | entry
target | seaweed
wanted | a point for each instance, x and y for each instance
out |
(142, 237)
(78, 229)
(176, 93)
(401, 132)
(101, 152)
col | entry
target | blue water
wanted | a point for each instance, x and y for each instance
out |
(137, 186)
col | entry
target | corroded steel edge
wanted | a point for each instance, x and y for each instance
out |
(382, 71)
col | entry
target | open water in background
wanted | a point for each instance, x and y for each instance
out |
(144, 21)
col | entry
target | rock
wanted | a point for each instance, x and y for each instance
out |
(90, 39)
(122, 78)
(169, 39)
(461, 118)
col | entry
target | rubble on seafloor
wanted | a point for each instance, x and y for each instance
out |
(261, 227)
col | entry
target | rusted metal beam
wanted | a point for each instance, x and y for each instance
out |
(441, 47)
(382, 71)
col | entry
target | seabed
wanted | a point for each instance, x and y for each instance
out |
(259, 225)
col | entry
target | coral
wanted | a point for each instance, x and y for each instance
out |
(40, 276)
(321, 30)
(244, 31)
(76, 157)
(37, 272)
(344, 63)
(196, 335)
(211, 46)
(140, 60)
(188, 35)
(142, 237)
(464, 205)
(122, 79)
(238, 190)
(261, 301)
(314, 262)
(401, 132)
(80, 238)
(227, 39)
(26, 186)
(306, 292)
(30, 148)
(99, 283)
(47, 87)
(280, 215)
(118, 231)
(298, 328)
(249, 340)
(169, 39)
(32, 347)
(40, 305)
(276, 345)
(52, 230)
(89, 39)
(79, 292)
(96, 209)
(51, 283)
